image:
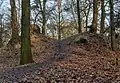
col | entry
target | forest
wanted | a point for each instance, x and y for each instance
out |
(59, 41)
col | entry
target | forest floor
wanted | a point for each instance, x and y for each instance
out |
(65, 61)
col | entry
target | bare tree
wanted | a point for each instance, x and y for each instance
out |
(112, 25)
(14, 24)
(1, 26)
(79, 18)
(43, 12)
(102, 24)
(1, 30)
(26, 55)
(87, 11)
(95, 16)
(18, 10)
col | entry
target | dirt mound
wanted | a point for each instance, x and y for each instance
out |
(41, 47)
(41, 50)
(89, 62)
(95, 45)
(91, 57)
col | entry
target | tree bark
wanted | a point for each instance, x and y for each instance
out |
(44, 18)
(79, 18)
(19, 14)
(1, 30)
(26, 55)
(112, 25)
(87, 15)
(95, 16)
(43, 15)
(14, 24)
(102, 24)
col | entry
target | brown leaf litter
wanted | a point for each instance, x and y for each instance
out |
(91, 62)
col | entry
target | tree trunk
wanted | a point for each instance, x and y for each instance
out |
(102, 26)
(112, 25)
(1, 43)
(19, 14)
(87, 15)
(59, 26)
(43, 15)
(95, 15)
(73, 11)
(14, 24)
(44, 18)
(1, 30)
(59, 20)
(26, 55)
(79, 18)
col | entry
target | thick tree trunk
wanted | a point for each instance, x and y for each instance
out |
(95, 16)
(26, 55)
(14, 24)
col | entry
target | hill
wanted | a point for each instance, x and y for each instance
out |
(41, 49)
(82, 58)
